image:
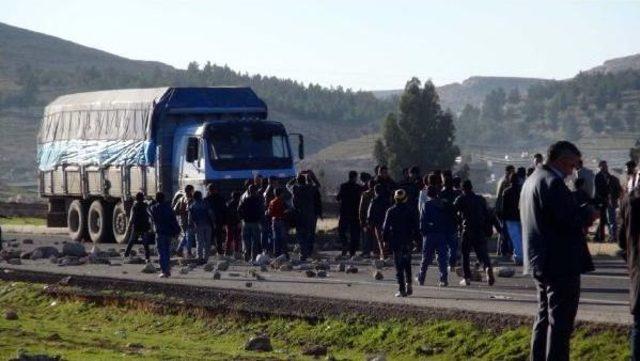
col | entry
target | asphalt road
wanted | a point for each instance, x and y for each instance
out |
(604, 295)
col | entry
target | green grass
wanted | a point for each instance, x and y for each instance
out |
(23, 221)
(85, 331)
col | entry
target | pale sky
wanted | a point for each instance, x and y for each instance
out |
(358, 44)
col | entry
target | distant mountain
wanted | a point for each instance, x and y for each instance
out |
(472, 91)
(20, 46)
(618, 64)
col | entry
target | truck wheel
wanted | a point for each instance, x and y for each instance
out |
(120, 221)
(77, 221)
(99, 222)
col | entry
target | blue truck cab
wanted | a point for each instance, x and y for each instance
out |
(96, 150)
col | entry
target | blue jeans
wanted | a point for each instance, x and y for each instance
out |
(187, 240)
(163, 246)
(250, 239)
(279, 228)
(203, 243)
(635, 338)
(515, 234)
(452, 240)
(432, 243)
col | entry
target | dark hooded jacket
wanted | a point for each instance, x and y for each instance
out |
(399, 227)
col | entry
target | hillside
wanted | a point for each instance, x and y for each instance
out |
(618, 64)
(35, 68)
(472, 91)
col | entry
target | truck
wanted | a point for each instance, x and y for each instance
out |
(96, 150)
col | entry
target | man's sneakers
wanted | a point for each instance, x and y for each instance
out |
(409, 289)
(443, 284)
(420, 279)
(465, 282)
(401, 293)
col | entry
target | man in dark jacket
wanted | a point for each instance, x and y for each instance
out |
(511, 216)
(349, 199)
(139, 227)
(218, 206)
(233, 227)
(251, 212)
(375, 217)
(367, 231)
(385, 179)
(432, 229)
(505, 247)
(629, 242)
(607, 196)
(304, 190)
(165, 227)
(398, 229)
(450, 220)
(555, 249)
(475, 216)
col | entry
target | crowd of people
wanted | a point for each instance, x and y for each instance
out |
(542, 216)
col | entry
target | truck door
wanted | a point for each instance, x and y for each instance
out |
(192, 167)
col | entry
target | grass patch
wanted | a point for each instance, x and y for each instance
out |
(85, 331)
(22, 221)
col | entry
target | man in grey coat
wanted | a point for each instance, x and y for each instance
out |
(555, 249)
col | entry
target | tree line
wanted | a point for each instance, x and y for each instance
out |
(588, 104)
(289, 97)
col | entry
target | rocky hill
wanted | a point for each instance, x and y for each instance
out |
(618, 64)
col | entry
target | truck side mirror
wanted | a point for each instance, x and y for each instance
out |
(300, 146)
(193, 145)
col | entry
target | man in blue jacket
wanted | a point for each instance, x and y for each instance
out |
(432, 229)
(165, 227)
(555, 249)
(398, 228)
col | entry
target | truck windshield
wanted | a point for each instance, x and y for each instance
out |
(248, 146)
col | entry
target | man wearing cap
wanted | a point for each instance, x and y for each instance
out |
(398, 229)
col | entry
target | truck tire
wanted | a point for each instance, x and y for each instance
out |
(99, 222)
(77, 221)
(119, 222)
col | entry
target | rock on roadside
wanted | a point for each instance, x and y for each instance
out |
(261, 343)
(73, 249)
(11, 315)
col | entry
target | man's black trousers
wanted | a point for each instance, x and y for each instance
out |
(558, 299)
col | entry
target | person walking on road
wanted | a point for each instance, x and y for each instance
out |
(277, 212)
(349, 199)
(251, 212)
(181, 208)
(555, 249)
(432, 228)
(139, 227)
(304, 197)
(629, 242)
(511, 216)
(607, 195)
(367, 231)
(375, 218)
(505, 248)
(448, 196)
(202, 220)
(476, 224)
(232, 224)
(216, 203)
(165, 228)
(398, 229)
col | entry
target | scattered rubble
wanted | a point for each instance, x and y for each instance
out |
(216, 275)
(378, 276)
(321, 274)
(14, 261)
(505, 272)
(315, 351)
(222, 265)
(351, 269)
(74, 250)
(149, 268)
(310, 273)
(44, 252)
(261, 343)
(27, 241)
(11, 315)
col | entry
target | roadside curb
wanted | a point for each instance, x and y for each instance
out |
(29, 229)
(216, 300)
